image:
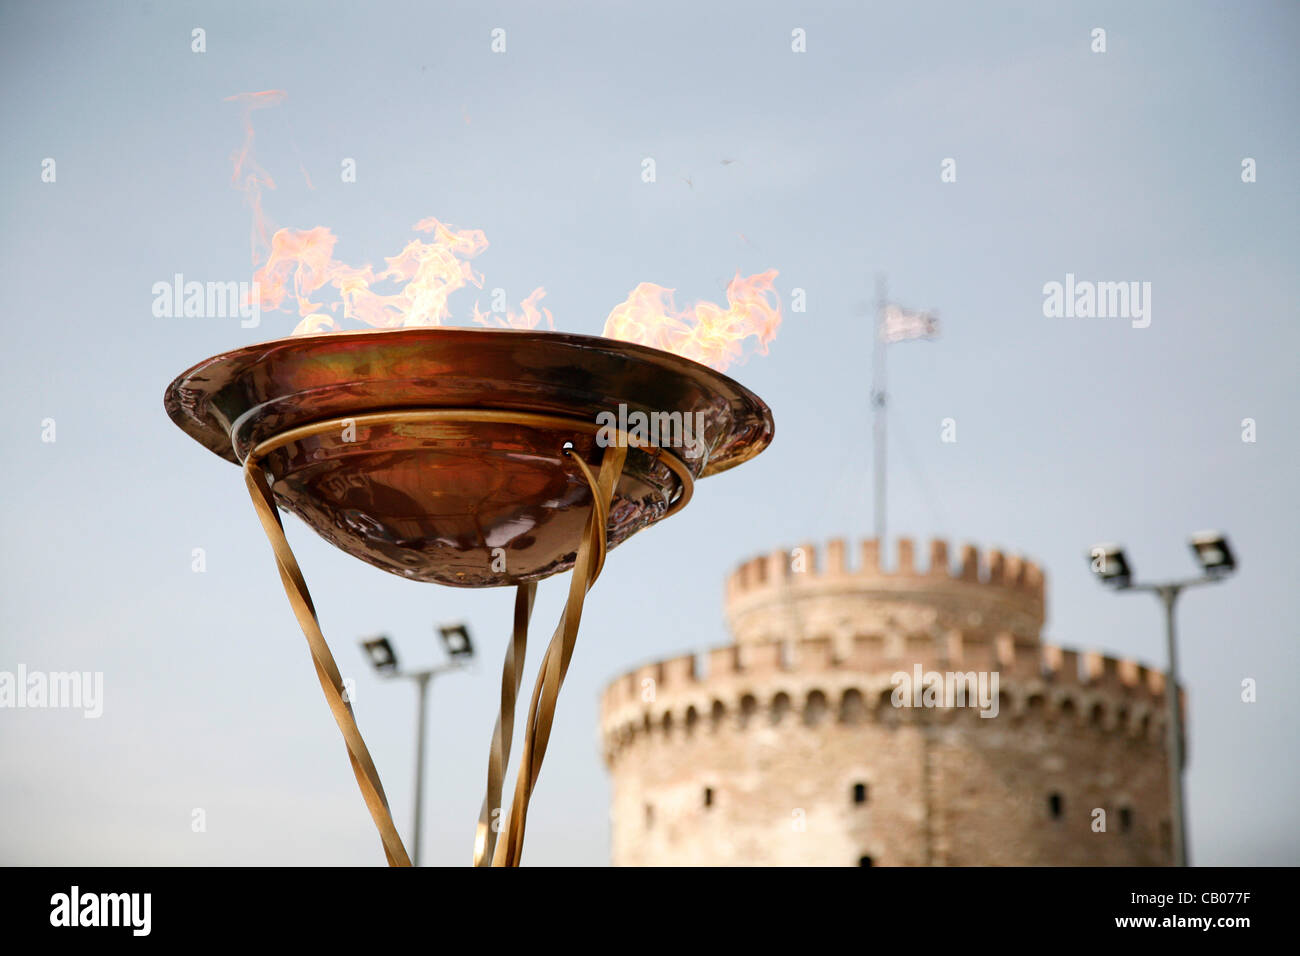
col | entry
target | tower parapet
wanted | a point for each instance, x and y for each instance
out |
(799, 593)
(1085, 690)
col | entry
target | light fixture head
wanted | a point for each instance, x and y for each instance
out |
(455, 638)
(1213, 552)
(1110, 565)
(381, 655)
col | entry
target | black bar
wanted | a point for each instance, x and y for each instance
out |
(963, 906)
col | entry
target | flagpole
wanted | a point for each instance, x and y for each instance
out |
(878, 410)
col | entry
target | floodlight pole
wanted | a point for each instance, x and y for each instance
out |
(384, 659)
(878, 408)
(1168, 592)
(422, 680)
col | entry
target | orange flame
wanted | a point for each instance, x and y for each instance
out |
(704, 332)
(299, 264)
(302, 263)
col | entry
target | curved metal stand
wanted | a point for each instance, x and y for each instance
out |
(541, 712)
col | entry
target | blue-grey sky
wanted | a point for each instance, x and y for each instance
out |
(1117, 166)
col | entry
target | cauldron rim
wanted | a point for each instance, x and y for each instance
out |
(190, 400)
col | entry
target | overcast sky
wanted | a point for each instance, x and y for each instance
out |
(1117, 166)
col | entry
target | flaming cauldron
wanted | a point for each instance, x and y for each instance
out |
(467, 457)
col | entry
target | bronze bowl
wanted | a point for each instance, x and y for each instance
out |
(438, 453)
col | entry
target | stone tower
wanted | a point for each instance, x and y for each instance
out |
(844, 726)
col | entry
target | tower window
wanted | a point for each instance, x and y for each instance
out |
(780, 707)
(649, 816)
(717, 714)
(1125, 819)
(816, 708)
(859, 793)
(1055, 805)
(708, 796)
(866, 861)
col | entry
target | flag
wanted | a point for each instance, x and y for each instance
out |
(900, 324)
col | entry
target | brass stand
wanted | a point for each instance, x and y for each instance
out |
(488, 849)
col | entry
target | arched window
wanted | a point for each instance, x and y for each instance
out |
(1125, 819)
(692, 718)
(852, 707)
(717, 715)
(859, 793)
(748, 706)
(1055, 805)
(649, 816)
(815, 709)
(780, 706)
(708, 797)
(866, 861)
(885, 703)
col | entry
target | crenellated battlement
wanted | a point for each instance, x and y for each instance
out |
(817, 678)
(991, 569)
(802, 592)
(818, 658)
